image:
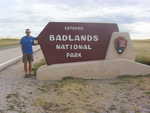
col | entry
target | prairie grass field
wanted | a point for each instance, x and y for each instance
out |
(142, 49)
(8, 43)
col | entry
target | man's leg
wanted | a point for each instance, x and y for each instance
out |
(25, 64)
(25, 68)
(30, 59)
(30, 68)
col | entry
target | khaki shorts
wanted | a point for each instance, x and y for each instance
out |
(27, 58)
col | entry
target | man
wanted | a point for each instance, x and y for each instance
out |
(26, 45)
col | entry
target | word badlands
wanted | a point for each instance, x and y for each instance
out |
(88, 38)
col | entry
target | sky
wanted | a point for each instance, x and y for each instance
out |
(132, 16)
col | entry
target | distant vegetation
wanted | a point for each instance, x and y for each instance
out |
(6, 43)
(142, 48)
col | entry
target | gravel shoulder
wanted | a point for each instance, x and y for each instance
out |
(72, 95)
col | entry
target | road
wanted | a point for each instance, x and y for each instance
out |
(7, 55)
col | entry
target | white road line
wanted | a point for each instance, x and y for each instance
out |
(11, 60)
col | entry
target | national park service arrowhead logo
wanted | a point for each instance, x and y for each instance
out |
(120, 44)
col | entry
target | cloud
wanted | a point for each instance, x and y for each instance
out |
(140, 30)
(130, 15)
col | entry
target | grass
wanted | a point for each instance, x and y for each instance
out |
(8, 42)
(73, 95)
(148, 92)
(126, 77)
(37, 65)
(142, 49)
(68, 96)
(71, 81)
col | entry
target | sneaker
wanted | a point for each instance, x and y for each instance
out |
(32, 76)
(26, 76)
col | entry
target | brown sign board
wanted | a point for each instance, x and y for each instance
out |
(63, 42)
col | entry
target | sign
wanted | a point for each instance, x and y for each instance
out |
(75, 42)
(120, 44)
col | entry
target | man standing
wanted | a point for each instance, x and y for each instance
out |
(26, 45)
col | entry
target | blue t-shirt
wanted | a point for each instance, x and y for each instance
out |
(26, 44)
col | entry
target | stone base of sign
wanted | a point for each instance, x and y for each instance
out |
(114, 65)
(93, 70)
